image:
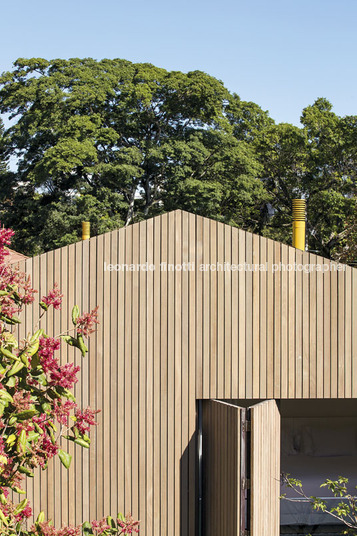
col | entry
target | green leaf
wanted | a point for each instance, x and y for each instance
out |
(5, 395)
(82, 443)
(33, 436)
(53, 426)
(40, 517)
(83, 348)
(52, 393)
(69, 395)
(20, 507)
(38, 428)
(52, 436)
(46, 407)
(19, 490)
(65, 458)
(75, 314)
(26, 471)
(43, 306)
(71, 341)
(37, 335)
(33, 347)
(5, 352)
(21, 442)
(10, 320)
(11, 382)
(111, 522)
(24, 359)
(42, 379)
(26, 414)
(11, 439)
(15, 368)
(87, 529)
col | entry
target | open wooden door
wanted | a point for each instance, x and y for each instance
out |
(240, 469)
(221, 425)
(265, 470)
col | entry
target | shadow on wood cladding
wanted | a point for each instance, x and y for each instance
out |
(167, 339)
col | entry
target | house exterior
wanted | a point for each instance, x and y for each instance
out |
(14, 256)
(209, 324)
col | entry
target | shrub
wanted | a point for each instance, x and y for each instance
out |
(37, 407)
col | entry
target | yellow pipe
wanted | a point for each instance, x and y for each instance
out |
(85, 230)
(299, 223)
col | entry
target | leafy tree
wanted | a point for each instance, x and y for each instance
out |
(7, 179)
(115, 142)
(346, 249)
(316, 162)
(3, 163)
(123, 142)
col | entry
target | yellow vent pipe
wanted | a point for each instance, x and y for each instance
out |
(299, 207)
(85, 230)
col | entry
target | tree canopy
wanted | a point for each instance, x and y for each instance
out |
(114, 142)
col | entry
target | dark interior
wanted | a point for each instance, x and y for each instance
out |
(318, 441)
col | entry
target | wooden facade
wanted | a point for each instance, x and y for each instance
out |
(168, 338)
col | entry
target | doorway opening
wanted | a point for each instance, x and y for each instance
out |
(317, 440)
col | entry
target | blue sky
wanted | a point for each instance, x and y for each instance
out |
(281, 54)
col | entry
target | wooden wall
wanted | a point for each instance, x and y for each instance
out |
(169, 338)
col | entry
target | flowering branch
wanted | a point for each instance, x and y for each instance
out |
(36, 399)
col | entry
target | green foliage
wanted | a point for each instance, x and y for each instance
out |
(345, 511)
(3, 162)
(113, 142)
(36, 403)
(316, 162)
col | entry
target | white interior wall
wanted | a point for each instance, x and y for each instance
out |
(314, 449)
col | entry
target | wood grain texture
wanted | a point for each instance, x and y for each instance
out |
(221, 468)
(265, 469)
(170, 337)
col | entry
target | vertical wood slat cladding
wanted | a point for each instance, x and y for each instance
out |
(265, 469)
(221, 468)
(168, 338)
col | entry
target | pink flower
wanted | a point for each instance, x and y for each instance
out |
(21, 401)
(5, 240)
(11, 279)
(24, 514)
(54, 298)
(85, 419)
(62, 410)
(48, 346)
(129, 526)
(100, 526)
(65, 376)
(46, 450)
(69, 531)
(85, 323)
(45, 529)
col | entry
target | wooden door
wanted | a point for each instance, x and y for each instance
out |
(265, 470)
(240, 469)
(221, 424)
